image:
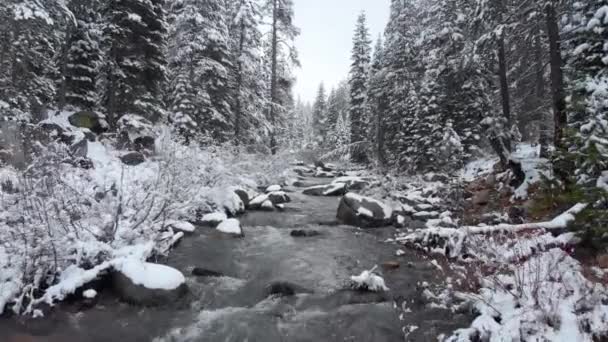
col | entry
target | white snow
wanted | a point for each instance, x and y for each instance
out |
(150, 276)
(215, 217)
(370, 281)
(230, 226)
(182, 226)
(274, 188)
(89, 294)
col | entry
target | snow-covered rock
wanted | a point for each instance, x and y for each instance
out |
(148, 284)
(89, 294)
(364, 212)
(273, 188)
(213, 219)
(181, 226)
(230, 226)
(369, 281)
(268, 206)
(278, 197)
(334, 189)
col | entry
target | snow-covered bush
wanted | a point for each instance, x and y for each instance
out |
(57, 214)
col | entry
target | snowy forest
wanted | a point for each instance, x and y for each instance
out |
(162, 180)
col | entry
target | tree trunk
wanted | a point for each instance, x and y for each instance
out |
(239, 86)
(274, 77)
(504, 89)
(557, 75)
(543, 138)
(380, 132)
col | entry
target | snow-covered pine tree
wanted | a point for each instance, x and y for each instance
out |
(281, 56)
(249, 87)
(319, 117)
(134, 70)
(403, 70)
(337, 110)
(453, 89)
(28, 34)
(83, 56)
(589, 106)
(378, 102)
(359, 73)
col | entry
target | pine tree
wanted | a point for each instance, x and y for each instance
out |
(359, 73)
(319, 116)
(281, 56)
(377, 102)
(589, 110)
(134, 35)
(83, 56)
(29, 42)
(250, 91)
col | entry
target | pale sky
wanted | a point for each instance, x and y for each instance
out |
(325, 42)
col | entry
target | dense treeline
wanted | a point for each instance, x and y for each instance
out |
(452, 77)
(216, 70)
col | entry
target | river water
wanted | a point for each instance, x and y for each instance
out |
(236, 307)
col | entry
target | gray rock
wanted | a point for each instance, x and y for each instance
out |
(284, 289)
(80, 149)
(95, 122)
(362, 212)
(203, 272)
(304, 233)
(133, 158)
(278, 197)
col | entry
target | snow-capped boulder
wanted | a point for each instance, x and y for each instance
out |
(181, 226)
(303, 171)
(278, 197)
(268, 206)
(352, 183)
(230, 226)
(243, 195)
(369, 281)
(364, 212)
(273, 188)
(213, 219)
(324, 174)
(132, 158)
(334, 189)
(231, 202)
(147, 284)
(93, 121)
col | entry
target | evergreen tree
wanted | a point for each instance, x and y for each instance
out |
(589, 106)
(281, 56)
(319, 116)
(83, 56)
(29, 34)
(359, 73)
(134, 71)
(249, 88)
(377, 101)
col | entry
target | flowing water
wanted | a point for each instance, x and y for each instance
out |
(237, 307)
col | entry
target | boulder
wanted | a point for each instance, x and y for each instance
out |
(273, 188)
(147, 284)
(93, 121)
(144, 144)
(132, 158)
(324, 174)
(278, 197)
(203, 272)
(304, 233)
(267, 206)
(213, 219)
(243, 195)
(230, 226)
(364, 212)
(80, 149)
(334, 189)
(284, 289)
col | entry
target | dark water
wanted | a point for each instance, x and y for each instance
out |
(236, 307)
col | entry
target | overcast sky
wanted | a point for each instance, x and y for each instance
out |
(325, 43)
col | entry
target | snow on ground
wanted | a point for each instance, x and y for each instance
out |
(532, 165)
(230, 226)
(478, 168)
